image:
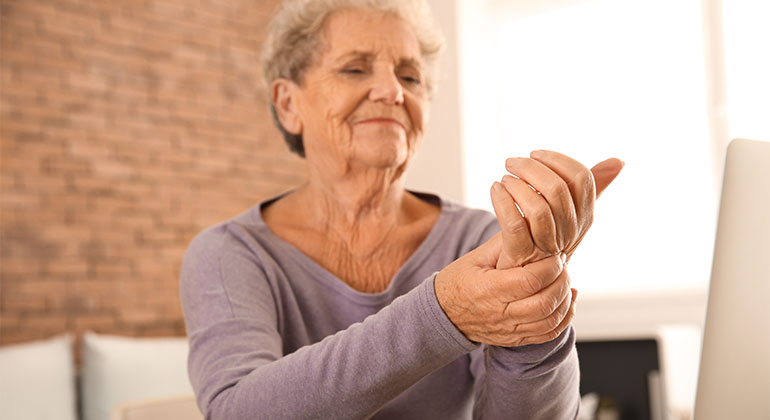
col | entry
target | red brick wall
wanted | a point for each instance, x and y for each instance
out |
(126, 127)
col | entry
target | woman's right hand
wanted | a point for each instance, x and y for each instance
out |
(506, 307)
(556, 195)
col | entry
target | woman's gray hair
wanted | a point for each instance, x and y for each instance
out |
(295, 38)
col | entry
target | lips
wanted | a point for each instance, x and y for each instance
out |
(382, 119)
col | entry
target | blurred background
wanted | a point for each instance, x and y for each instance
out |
(126, 127)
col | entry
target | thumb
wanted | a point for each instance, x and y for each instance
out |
(605, 172)
(488, 253)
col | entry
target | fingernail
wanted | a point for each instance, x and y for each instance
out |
(507, 178)
(497, 186)
(537, 154)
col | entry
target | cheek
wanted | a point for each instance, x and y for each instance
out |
(330, 109)
(336, 128)
(326, 113)
(339, 104)
(418, 110)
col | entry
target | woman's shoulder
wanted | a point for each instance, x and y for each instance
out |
(458, 222)
(236, 256)
(240, 232)
(456, 211)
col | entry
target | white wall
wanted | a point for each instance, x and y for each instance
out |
(438, 166)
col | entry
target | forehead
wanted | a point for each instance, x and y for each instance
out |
(369, 32)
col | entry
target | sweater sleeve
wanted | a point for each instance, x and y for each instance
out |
(238, 370)
(538, 381)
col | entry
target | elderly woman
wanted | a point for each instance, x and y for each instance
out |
(350, 297)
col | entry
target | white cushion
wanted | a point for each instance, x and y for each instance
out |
(167, 408)
(37, 380)
(118, 369)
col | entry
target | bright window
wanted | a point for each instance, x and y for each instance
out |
(624, 78)
(747, 62)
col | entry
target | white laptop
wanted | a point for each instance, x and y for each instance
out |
(734, 375)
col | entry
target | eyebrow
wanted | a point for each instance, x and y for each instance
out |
(368, 55)
(355, 54)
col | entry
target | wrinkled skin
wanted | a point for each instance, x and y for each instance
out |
(514, 290)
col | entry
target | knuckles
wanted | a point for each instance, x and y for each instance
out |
(558, 189)
(552, 322)
(546, 306)
(515, 226)
(550, 336)
(529, 282)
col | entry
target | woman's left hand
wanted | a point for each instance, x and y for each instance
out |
(557, 212)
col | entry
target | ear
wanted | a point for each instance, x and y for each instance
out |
(282, 93)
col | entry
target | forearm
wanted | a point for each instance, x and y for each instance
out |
(350, 374)
(532, 382)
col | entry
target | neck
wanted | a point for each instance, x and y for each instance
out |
(362, 229)
(361, 211)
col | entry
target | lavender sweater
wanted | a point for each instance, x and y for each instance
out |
(273, 335)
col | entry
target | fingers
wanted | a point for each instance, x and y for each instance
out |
(537, 214)
(504, 307)
(605, 172)
(542, 304)
(552, 334)
(517, 242)
(576, 177)
(556, 195)
(554, 191)
(520, 283)
(550, 322)
(487, 255)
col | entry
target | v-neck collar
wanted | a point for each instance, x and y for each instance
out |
(335, 283)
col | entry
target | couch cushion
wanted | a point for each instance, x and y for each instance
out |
(37, 380)
(117, 369)
(182, 407)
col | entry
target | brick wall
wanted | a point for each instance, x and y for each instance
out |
(126, 127)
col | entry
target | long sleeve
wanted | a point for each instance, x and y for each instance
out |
(539, 381)
(238, 368)
(274, 335)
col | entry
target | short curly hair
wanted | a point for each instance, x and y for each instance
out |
(295, 36)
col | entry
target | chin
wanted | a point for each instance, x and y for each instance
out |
(394, 157)
(383, 161)
(383, 153)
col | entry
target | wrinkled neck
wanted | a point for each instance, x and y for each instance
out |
(371, 200)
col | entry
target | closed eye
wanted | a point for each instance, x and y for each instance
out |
(411, 80)
(352, 70)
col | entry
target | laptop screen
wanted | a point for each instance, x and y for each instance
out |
(734, 375)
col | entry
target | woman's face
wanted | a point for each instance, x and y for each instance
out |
(363, 103)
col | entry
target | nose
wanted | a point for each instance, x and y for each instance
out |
(386, 88)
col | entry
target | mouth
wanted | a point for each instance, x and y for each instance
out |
(380, 120)
(386, 120)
